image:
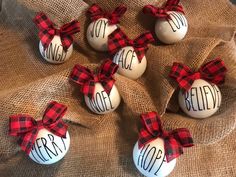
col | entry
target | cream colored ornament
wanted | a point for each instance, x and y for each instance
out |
(171, 30)
(54, 53)
(102, 103)
(150, 160)
(202, 100)
(129, 65)
(49, 148)
(98, 32)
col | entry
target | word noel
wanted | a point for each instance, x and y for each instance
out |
(197, 98)
(176, 21)
(51, 148)
(55, 52)
(148, 157)
(99, 28)
(101, 102)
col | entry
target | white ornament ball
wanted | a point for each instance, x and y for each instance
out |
(129, 65)
(49, 148)
(171, 30)
(55, 53)
(202, 100)
(150, 160)
(98, 32)
(102, 103)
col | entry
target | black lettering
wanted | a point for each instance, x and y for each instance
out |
(44, 141)
(192, 96)
(38, 146)
(205, 92)
(186, 99)
(51, 137)
(153, 148)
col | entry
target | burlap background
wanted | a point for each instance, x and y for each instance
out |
(102, 145)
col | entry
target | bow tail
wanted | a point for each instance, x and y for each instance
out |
(45, 38)
(150, 9)
(140, 52)
(144, 138)
(95, 12)
(172, 148)
(26, 140)
(88, 89)
(117, 40)
(59, 129)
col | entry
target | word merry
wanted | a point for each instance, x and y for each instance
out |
(202, 95)
(99, 28)
(176, 21)
(37, 152)
(101, 102)
(55, 53)
(124, 58)
(147, 163)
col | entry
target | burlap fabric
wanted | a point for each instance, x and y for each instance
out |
(102, 145)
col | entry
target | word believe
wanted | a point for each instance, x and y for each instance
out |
(176, 21)
(99, 28)
(37, 148)
(55, 52)
(124, 58)
(149, 156)
(101, 102)
(202, 95)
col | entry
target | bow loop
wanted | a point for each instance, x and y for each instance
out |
(174, 141)
(26, 127)
(213, 71)
(118, 39)
(87, 79)
(95, 12)
(162, 12)
(47, 31)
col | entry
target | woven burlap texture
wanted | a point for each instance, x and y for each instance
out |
(28, 84)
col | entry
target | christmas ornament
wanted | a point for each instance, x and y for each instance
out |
(198, 98)
(56, 45)
(100, 93)
(103, 24)
(46, 141)
(156, 151)
(129, 54)
(171, 25)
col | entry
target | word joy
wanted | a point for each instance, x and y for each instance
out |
(149, 156)
(55, 53)
(176, 21)
(124, 58)
(202, 95)
(101, 102)
(99, 28)
(37, 148)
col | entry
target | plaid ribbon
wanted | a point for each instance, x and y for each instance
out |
(26, 127)
(213, 71)
(118, 39)
(174, 141)
(87, 79)
(47, 31)
(171, 5)
(95, 12)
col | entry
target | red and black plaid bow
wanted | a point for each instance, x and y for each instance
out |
(27, 128)
(47, 31)
(174, 141)
(118, 39)
(87, 79)
(171, 5)
(213, 71)
(95, 12)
